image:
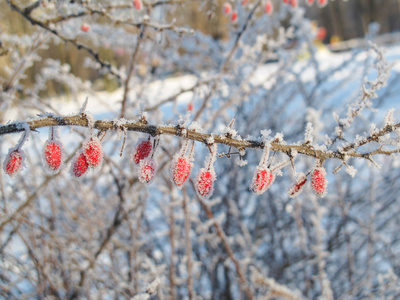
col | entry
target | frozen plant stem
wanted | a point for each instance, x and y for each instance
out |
(155, 130)
(188, 244)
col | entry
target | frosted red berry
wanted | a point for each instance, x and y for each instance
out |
(234, 16)
(310, 2)
(205, 183)
(294, 3)
(268, 8)
(180, 170)
(142, 150)
(322, 3)
(138, 4)
(13, 162)
(298, 187)
(227, 9)
(85, 27)
(93, 152)
(79, 165)
(147, 170)
(52, 155)
(262, 180)
(318, 181)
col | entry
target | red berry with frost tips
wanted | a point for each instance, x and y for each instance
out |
(93, 152)
(318, 181)
(322, 3)
(13, 162)
(227, 8)
(180, 170)
(138, 4)
(298, 187)
(52, 155)
(147, 170)
(294, 3)
(79, 165)
(205, 183)
(268, 8)
(262, 180)
(142, 150)
(85, 27)
(234, 16)
(310, 2)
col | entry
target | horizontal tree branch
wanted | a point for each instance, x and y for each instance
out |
(142, 125)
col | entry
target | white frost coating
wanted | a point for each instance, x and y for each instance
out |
(389, 119)
(351, 170)
(308, 134)
(25, 136)
(242, 152)
(265, 134)
(195, 126)
(279, 137)
(152, 287)
(240, 161)
(210, 140)
(141, 297)
(91, 120)
(228, 131)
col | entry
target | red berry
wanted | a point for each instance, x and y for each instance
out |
(147, 170)
(322, 3)
(310, 2)
(298, 187)
(180, 170)
(286, 1)
(12, 163)
(79, 165)
(227, 8)
(268, 7)
(142, 150)
(52, 155)
(204, 183)
(190, 107)
(138, 4)
(262, 180)
(234, 16)
(294, 3)
(85, 27)
(93, 152)
(318, 181)
(244, 2)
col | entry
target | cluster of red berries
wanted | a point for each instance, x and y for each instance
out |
(91, 156)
